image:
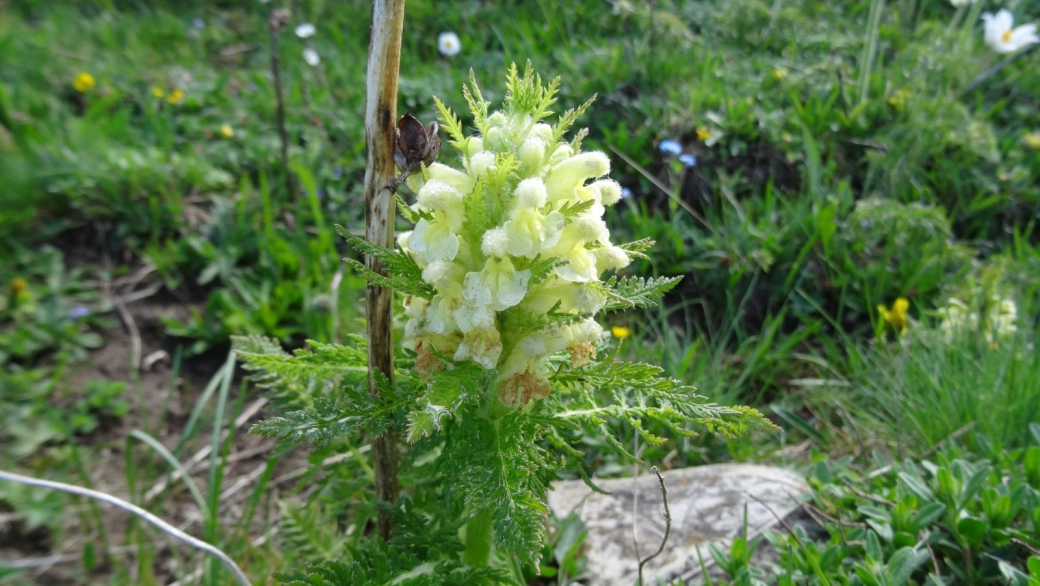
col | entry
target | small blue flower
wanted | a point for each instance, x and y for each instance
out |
(626, 193)
(670, 147)
(198, 23)
(688, 160)
(78, 312)
(337, 172)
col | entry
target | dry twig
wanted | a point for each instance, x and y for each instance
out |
(667, 524)
(134, 510)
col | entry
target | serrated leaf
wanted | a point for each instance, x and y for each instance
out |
(637, 292)
(404, 274)
(637, 248)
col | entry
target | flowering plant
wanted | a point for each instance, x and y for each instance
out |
(503, 368)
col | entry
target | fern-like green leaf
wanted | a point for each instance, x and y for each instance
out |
(404, 274)
(637, 292)
(638, 248)
(309, 532)
(451, 123)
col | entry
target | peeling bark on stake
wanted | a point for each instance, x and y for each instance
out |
(384, 60)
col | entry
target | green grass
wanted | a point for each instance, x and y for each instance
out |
(847, 167)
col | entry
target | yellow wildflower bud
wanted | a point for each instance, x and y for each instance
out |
(226, 131)
(18, 286)
(158, 91)
(84, 82)
(897, 316)
(703, 133)
(620, 332)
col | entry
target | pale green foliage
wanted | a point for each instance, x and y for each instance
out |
(305, 529)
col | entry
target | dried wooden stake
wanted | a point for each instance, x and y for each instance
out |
(384, 60)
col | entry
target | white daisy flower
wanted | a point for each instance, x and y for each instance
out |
(449, 44)
(311, 57)
(1003, 36)
(305, 30)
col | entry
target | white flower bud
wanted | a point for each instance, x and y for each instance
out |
(531, 153)
(495, 242)
(482, 164)
(542, 131)
(609, 191)
(496, 140)
(611, 258)
(474, 145)
(562, 152)
(530, 193)
(498, 119)
(439, 196)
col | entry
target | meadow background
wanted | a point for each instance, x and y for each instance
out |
(852, 202)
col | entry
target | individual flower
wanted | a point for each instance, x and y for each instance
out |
(688, 160)
(1003, 37)
(670, 147)
(957, 320)
(703, 133)
(1032, 140)
(305, 30)
(18, 286)
(226, 131)
(198, 23)
(448, 44)
(626, 193)
(158, 92)
(897, 316)
(176, 96)
(898, 99)
(311, 57)
(78, 312)
(84, 82)
(779, 73)
(620, 332)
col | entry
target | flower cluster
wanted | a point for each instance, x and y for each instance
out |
(513, 235)
(998, 321)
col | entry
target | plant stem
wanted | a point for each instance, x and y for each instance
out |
(478, 539)
(275, 23)
(384, 61)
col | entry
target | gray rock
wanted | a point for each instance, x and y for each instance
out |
(707, 505)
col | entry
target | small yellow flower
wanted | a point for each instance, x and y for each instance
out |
(226, 131)
(703, 133)
(898, 99)
(18, 286)
(620, 332)
(84, 82)
(897, 316)
(158, 91)
(175, 97)
(1032, 140)
(779, 73)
